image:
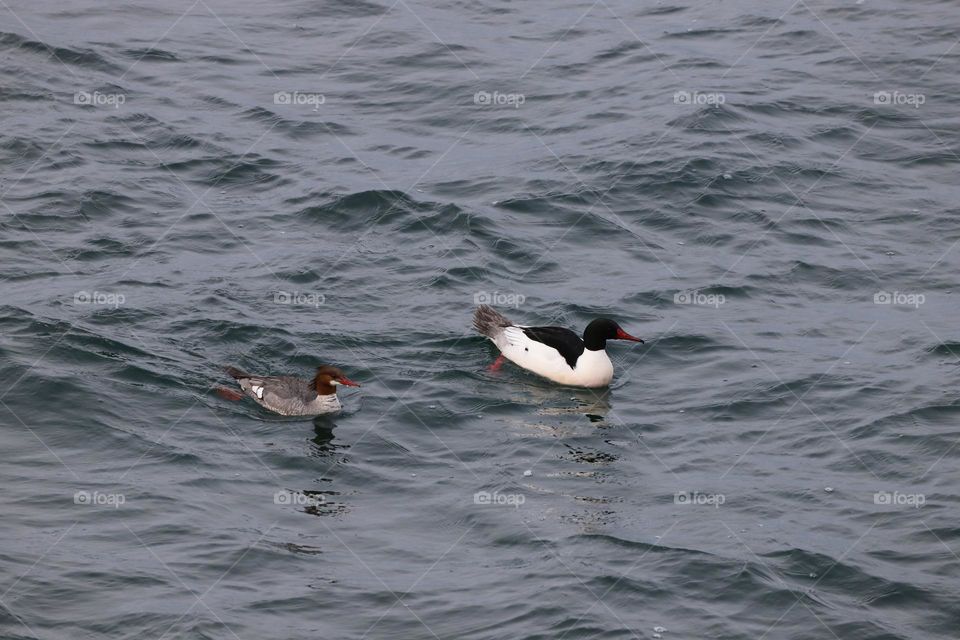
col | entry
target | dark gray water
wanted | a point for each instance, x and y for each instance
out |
(766, 192)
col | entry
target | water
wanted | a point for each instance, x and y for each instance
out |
(734, 182)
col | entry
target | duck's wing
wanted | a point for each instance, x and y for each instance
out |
(565, 342)
(283, 394)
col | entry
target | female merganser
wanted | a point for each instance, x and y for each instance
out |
(290, 396)
(554, 352)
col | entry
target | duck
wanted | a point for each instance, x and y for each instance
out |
(289, 395)
(555, 353)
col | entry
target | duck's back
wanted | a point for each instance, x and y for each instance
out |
(288, 396)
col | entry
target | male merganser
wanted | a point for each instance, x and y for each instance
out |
(290, 396)
(554, 352)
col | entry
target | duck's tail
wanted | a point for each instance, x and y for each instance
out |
(489, 322)
(228, 394)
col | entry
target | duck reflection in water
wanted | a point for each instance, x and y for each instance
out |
(322, 444)
(592, 403)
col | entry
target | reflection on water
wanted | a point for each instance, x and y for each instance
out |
(553, 401)
(321, 503)
(322, 444)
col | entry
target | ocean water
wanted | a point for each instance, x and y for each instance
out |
(765, 192)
